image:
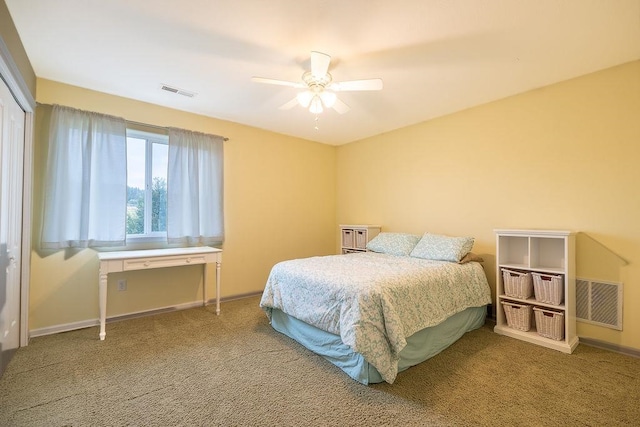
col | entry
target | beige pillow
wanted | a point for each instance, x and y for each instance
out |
(471, 257)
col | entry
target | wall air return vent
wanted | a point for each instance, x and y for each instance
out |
(178, 91)
(599, 303)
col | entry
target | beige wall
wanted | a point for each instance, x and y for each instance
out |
(565, 156)
(279, 204)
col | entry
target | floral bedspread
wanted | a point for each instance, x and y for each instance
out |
(374, 301)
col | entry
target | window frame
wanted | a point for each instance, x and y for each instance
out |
(150, 138)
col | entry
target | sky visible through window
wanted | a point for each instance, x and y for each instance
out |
(136, 161)
(160, 160)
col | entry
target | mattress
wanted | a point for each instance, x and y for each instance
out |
(421, 346)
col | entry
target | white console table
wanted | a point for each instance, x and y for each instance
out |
(112, 262)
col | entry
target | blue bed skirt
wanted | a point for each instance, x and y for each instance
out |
(421, 346)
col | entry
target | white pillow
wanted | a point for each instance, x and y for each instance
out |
(442, 248)
(400, 244)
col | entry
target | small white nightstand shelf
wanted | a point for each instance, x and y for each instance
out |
(354, 238)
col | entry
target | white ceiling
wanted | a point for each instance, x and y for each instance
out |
(435, 56)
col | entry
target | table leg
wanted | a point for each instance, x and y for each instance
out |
(103, 303)
(218, 287)
(205, 280)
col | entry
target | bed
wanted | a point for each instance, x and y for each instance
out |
(374, 314)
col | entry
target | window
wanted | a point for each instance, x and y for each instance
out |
(147, 155)
(108, 185)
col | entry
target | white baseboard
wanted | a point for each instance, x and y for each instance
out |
(49, 330)
(628, 351)
(237, 297)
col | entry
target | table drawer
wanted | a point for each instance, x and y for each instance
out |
(168, 261)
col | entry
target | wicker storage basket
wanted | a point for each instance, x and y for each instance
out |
(517, 284)
(549, 323)
(518, 315)
(548, 288)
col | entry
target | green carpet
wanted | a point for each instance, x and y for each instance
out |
(193, 368)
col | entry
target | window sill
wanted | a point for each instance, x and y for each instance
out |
(145, 242)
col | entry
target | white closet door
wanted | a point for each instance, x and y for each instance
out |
(12, 120)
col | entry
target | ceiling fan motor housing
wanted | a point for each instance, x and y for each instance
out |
(315, 83)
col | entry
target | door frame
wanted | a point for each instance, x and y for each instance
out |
(10, 74)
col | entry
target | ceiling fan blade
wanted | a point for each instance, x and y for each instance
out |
(353, 85)
(277, 82)
(340, 106)
(289, 105)
(319, 64)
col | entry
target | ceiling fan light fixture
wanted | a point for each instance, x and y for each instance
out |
(328, 98)
(304, 98)
(316, 105)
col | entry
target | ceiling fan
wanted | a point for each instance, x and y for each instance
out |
(319, 87)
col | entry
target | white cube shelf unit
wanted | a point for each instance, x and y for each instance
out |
(548, 252)
(354, 238)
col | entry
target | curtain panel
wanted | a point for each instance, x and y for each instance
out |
(195, 188)
(85, 190)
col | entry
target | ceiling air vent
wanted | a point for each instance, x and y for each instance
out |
(178, 91)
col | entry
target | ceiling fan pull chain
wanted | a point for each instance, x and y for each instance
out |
(316, 126)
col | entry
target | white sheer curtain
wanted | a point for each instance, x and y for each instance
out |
(195, 188)
(85, 197)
